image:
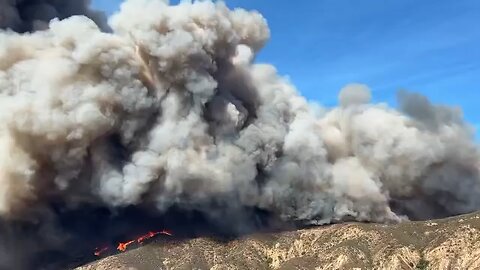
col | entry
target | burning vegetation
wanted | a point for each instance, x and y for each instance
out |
(123, 246)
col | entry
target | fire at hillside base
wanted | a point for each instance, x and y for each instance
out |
(163, 118)
(123, 246)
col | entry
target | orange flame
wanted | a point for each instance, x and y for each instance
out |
(146, 237)
(123, 246)
(149, 235)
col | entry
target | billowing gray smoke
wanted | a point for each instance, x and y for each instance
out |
(31, 15)
(171, 110)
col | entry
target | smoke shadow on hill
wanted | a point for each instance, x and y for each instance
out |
(80, 232)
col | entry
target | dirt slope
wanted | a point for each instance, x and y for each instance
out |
(452, 243)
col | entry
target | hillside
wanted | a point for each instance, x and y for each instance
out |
(452, 243)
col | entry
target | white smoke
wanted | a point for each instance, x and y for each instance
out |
(170, 109)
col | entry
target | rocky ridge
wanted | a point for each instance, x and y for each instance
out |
(452, 243)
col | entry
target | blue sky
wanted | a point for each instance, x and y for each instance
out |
(428, 46)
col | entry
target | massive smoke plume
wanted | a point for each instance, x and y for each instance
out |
(169, 111)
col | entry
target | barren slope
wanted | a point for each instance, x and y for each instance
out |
(442, 244)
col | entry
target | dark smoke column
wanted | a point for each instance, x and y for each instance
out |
(31, 15)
